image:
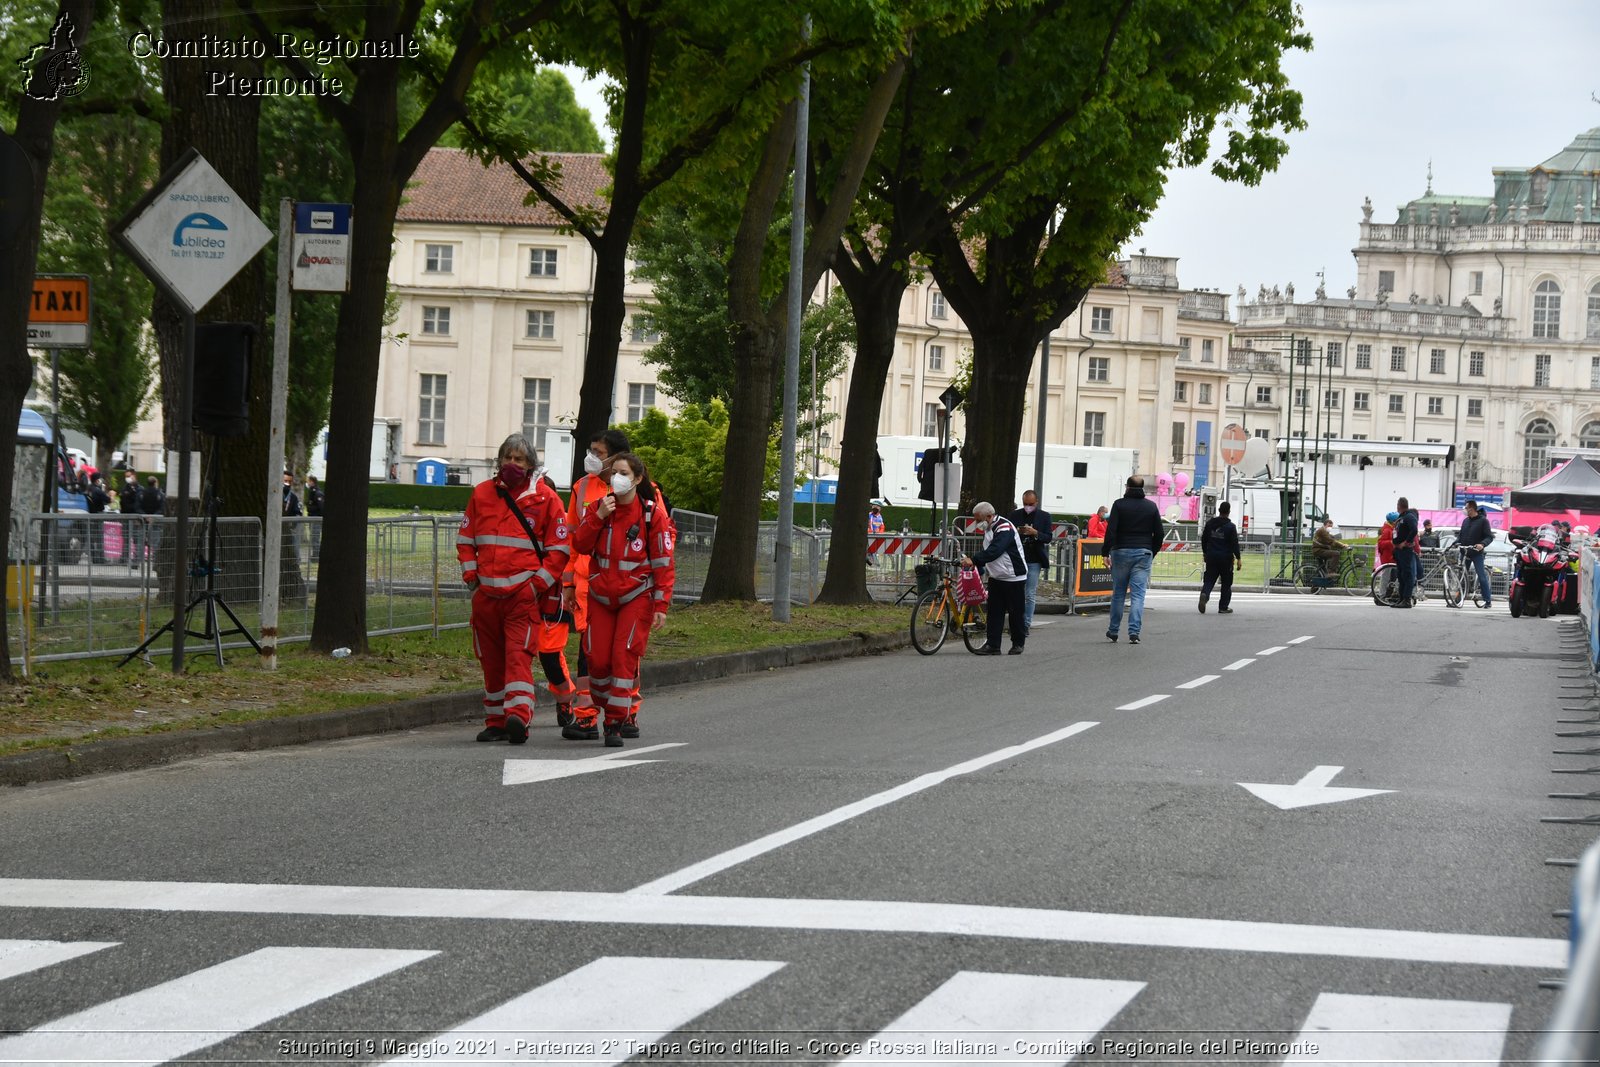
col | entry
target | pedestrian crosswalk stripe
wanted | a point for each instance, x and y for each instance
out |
(602, 1013)
(979, 1017)
(205, 1007)
(20, 957)
(1359, 1029)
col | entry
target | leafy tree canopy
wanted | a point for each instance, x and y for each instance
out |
(685, 454)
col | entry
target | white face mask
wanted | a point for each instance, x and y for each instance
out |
(621, 483)
(592, 463)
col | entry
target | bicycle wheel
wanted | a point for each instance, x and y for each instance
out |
(1353, 577)
(1452, 587)
(974, 627)
(1305, 578)
(1385, 585)
(930, 622)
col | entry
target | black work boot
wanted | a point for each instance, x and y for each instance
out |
(492, 733)
(577, 731)
(630, 727)
(516, 730)
(564, 716)
(613, 735)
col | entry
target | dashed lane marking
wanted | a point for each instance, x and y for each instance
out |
(1144, 703)
(1204, 679)
(1239, 664)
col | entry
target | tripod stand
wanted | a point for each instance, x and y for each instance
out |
(205, 566)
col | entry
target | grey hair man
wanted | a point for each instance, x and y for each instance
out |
(1001, 557)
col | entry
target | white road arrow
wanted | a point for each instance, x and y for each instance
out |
(1312, 789)
(522, 771)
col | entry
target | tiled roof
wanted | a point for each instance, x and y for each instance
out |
(451, 186)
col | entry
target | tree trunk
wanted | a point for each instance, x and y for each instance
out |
(732, 569)
(19, 253)
(875, 300)
(1001, 362)
(341, 613)
(597, 396)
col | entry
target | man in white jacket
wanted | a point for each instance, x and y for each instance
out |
(1001, 557)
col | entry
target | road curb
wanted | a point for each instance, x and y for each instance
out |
(149, 750)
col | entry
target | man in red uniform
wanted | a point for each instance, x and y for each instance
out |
(629, 539)
(513, 547)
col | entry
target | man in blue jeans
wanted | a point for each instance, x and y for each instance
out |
(1405, 551)
(1133, 537)
(1033, 524)
(1475, 537)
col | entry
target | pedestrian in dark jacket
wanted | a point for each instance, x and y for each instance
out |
(1033, 524)
(1133, 537)
(1219, 543)
(1475, 537)
(1405, 551)
(152, 504)
(128, 504)
(314, 500)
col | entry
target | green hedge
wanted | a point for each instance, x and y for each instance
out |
(449, 498)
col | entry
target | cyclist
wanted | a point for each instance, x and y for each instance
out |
(1327, 548)
(1475, 537)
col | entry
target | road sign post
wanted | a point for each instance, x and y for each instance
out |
(190, 234)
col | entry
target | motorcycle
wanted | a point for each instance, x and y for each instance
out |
(1539, 571)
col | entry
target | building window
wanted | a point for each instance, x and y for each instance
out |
(1180, 392)
(1205, 393)
(1397, 405)
(1436, 405)
(1263, 394)
(1099, 368)
(535, 409)
(1185, 353)
(1475, 364)
(1436, 361)
(642, 330)
(1099, 320)
(1386, 281)
(1263, 434)
(1392, 461)
(1594, 372)
(936, 357)
(1358, 437)
(1537, 440)
(1179, 436)
(1208, 350)
(1301, 399)
(1592, 328)
(1541, 371)
(542, 262)
(1334, 350)
(1094, 429)
(1397, 358)
(1331, 399)
(641, 398)
(541, 325)
(1471, 460)
(439, 259)
(1589, 436)
(1361, 401)
(937, 308)
(1474, 409)
(430, 412)
(435, 321)
(1363, 357)
(1475, 281)
(1302, 352)
(1547, 309)
(931, 413)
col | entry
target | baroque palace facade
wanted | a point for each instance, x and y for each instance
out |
(493, 305)
(1474, 321)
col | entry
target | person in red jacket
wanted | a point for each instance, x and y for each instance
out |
(629, 539)
(594, 484)
(513, 546)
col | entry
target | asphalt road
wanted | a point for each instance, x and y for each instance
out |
(893, 859)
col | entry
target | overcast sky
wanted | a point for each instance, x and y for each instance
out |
(1389, 85)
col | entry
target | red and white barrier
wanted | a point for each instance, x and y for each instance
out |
(902, 546)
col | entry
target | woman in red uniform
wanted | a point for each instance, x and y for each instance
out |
(629, 539)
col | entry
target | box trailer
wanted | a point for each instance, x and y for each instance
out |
(1077, 479)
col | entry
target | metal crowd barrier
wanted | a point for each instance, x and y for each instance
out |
(1573, 1034)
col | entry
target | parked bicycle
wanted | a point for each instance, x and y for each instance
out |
(938, 610)
(1311, 576)
(1448, 565)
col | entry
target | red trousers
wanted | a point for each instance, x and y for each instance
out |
(504, 638)
(614, 644)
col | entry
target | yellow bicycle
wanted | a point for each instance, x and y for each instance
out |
(937, 611)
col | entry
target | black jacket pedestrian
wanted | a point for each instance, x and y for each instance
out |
(152, 501)
(1220, 539)
(291, 503)
(1476, 532)
(1134, 522)
(128, 498)
(1405, 531)
(314, 501)
(99, 499)
(1035, 549)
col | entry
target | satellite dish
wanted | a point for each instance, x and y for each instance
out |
(1257, 457)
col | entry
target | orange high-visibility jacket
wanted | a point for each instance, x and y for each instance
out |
(627, 561)
(585, 491)
(494, 548)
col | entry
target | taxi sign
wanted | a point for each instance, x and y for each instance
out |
(58, 314)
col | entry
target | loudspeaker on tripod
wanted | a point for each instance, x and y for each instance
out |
(222, 377)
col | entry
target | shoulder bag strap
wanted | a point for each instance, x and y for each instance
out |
(527, 527)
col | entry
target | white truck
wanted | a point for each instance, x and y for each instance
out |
(1356, 484)
(1077, 479)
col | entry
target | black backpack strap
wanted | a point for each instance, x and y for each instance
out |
(527, 527)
